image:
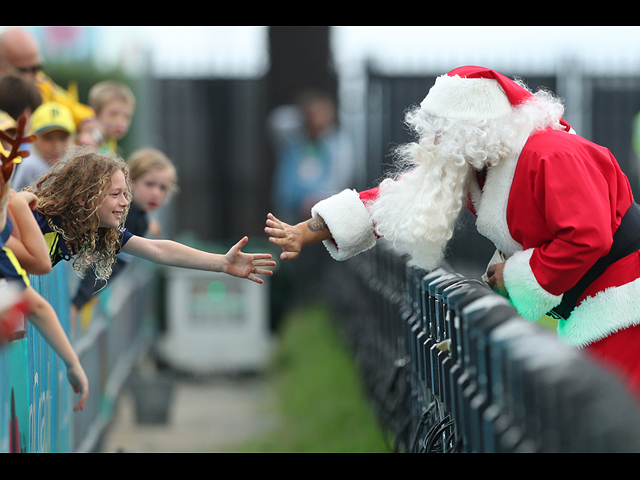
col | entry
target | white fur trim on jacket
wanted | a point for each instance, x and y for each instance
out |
(349, 222)
(527, 296)
(491, 221)
(603, 314)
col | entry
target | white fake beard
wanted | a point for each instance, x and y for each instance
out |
(417, 209)
(417, 212)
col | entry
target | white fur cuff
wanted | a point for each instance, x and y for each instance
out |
(527, 296)
(603, 314)
(349, 222)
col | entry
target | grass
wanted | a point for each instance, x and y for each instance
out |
(318, 393)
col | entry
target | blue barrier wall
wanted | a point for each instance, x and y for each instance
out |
(111, 334)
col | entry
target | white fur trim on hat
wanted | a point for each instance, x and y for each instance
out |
(526, 294)
(466, 98)
(349, 222)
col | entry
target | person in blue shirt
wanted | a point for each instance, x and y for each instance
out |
(313, 157)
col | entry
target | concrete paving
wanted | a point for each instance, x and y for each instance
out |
(206, 414)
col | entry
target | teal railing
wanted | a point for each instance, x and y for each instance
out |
(111, 333)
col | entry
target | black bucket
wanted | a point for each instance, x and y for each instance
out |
(153, 395)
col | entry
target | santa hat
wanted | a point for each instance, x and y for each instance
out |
(470, 93)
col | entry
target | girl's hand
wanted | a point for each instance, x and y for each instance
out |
(289, 237)
(245, 265)
(29, 198)
(79, 383)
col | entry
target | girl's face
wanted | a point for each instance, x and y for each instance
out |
(114, 203)
(150, 190)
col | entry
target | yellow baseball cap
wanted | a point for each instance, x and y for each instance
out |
(52, 116)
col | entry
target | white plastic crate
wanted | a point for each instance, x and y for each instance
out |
(215, 322)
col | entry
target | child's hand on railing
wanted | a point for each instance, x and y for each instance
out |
(80, 384)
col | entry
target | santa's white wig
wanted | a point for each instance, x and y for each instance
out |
(464, 125)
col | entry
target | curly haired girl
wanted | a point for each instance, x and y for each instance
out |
(83, 202)
(153, 181)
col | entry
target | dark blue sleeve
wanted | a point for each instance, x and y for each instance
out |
(125, 235)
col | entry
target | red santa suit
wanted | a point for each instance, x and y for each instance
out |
(552, 211)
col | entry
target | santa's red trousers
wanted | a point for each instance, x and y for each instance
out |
(620, 353)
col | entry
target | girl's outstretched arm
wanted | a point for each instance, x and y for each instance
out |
(234, 262)
(45, 319)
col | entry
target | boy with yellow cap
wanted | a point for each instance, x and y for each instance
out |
(53, 125)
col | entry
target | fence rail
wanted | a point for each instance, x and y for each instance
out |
(451, 367)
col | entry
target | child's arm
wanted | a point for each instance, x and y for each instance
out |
(234, 262)
(26, 241)
(44, 318)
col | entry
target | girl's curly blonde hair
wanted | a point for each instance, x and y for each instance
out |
(73, 189)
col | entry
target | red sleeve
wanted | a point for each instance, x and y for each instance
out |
(370, 195)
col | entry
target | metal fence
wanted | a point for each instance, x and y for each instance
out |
(449, 367)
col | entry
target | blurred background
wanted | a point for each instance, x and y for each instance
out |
(207, 95)
(239, 109)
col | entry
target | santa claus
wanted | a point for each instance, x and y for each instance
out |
(557, 207)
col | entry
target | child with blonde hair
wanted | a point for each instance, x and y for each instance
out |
(83, 202)
(114, 104)
(13, 277)
(153, 181)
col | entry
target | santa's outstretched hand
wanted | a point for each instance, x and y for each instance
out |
(293, 238)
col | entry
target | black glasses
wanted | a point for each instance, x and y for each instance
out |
(33, 69)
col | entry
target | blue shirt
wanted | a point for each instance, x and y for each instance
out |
(10, 268)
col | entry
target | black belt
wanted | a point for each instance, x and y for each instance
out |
(626, 240)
